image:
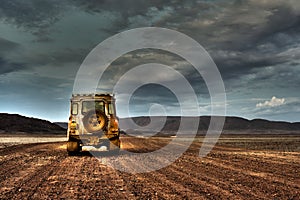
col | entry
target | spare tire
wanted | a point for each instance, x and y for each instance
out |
(94, 121)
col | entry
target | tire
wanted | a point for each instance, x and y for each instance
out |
(95, 121)
(72, 147)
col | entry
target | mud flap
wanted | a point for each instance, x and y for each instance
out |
(114, 145)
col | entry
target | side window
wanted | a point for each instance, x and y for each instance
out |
(74, 109)
(111, 109)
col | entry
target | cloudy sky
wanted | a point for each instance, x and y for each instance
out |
(254, 43)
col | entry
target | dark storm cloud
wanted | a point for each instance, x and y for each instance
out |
(229, 27)
(160, 94)
(139, 57)
(234, 64)
(243, 35)
(31, 85)
(59, 57)
(229, 19)
(127, 7)
(31, 14)
(8, 67)
(240, 35)
(37, 16)
(254, 43)
(283, 79)
(6, 45)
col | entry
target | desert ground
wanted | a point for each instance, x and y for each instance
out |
(238, 167)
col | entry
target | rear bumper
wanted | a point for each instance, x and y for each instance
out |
(92, 139)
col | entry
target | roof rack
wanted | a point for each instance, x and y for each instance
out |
(92, 94)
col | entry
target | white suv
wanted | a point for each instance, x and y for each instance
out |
(93, 122)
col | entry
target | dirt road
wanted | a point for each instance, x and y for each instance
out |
(45, 171)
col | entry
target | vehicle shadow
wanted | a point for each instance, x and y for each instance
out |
(98, 153)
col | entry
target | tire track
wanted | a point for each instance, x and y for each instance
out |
(24, 186)
(258, 185)
(255, 166)
(210, 178)
(44, 171)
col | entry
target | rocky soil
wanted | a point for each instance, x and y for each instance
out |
(45, 171)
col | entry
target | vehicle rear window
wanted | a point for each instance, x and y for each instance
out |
(91, 105)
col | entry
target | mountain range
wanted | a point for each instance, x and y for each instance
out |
(15, 123)
(231, 125)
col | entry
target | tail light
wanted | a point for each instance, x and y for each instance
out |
(114, 124)
(73, 125)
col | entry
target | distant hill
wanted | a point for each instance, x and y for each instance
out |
(14, 123)
(232, 124)
(62, 124)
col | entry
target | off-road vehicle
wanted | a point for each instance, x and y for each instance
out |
(93, 123)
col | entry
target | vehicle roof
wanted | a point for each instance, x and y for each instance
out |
(105, 96)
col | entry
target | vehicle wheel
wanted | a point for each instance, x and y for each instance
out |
(72, 147)
(95, 121)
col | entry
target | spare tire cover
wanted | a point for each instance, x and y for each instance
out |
(94, 121)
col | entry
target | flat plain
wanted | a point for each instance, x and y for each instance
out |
(238, 167)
